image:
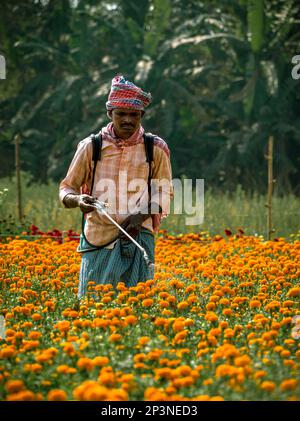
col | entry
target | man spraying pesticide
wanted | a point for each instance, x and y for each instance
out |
(117, 241)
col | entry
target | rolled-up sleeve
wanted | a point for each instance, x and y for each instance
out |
(162, 188)
(78, 172)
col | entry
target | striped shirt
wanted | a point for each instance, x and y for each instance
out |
(120, 180)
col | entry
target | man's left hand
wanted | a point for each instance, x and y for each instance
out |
(132, 225)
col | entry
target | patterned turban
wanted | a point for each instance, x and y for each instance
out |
(125, 94)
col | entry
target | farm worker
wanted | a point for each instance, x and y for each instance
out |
(108, 256)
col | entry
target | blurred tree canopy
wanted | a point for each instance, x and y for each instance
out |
(219, 73)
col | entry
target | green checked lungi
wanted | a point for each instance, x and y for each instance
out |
(123, 263)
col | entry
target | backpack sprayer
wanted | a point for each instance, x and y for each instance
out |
(100, 206)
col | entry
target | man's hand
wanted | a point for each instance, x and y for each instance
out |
(85, 202)
(132, 225)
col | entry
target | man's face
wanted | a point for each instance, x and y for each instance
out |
(126, 121)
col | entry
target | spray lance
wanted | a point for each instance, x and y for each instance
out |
(100, 206)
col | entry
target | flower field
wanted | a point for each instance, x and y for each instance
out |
(218, 322)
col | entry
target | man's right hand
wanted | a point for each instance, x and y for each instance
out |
(85, 202)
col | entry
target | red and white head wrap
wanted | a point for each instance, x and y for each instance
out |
(125, 94)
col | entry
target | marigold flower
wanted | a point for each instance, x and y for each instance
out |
(294, 292)
(100, 361)
(14, 386)
(268, 386)
(289, 384)
(57, 395)
(148, 302)
(85, 363)
(115, 337)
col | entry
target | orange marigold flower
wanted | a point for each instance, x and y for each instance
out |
(115, 337)
(23, 395)
(289, 384)
(182, 305)
(294, 292)
(14, 386)
(85, 363)
(242, 361)
(211, 316)
(255, 304)
(143, 340)
(7, 352)
(63, 326)
(95, 393)
(117, 395)
(130, 320)
(178, 325)
(268, 386)
(57, 395)
(147, 302)
(100, 361)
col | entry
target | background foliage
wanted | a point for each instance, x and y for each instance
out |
(219, 72)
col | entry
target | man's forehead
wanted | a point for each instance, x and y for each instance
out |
(126, 110)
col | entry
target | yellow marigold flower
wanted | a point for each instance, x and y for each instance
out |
(57, 395)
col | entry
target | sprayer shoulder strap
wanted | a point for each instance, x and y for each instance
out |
(149, 145)
(149, 142)
(97, 148)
